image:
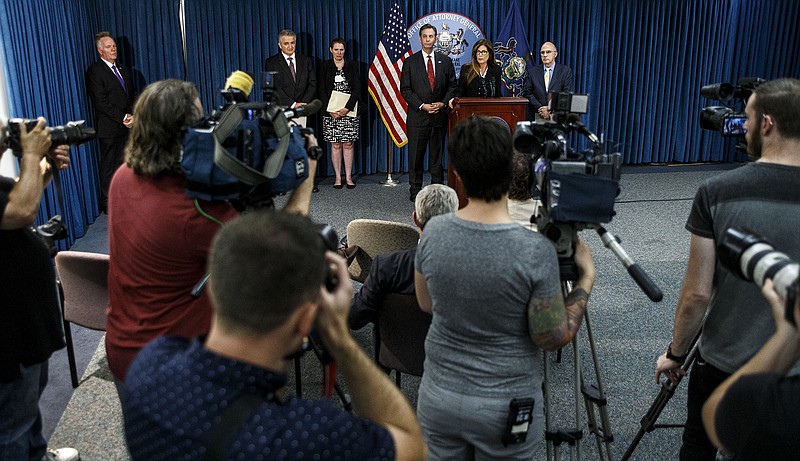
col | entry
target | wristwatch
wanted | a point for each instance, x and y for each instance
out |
(314, 153)
(677, 358)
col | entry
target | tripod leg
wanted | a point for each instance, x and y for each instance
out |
(595, 399)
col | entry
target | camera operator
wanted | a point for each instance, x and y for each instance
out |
(268, 290)
(159, 236)
(753, 414)
(31, 318)
(764, 197)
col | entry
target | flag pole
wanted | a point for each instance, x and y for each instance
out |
(389, 181)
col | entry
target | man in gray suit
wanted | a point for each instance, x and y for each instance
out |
(544, 79)
(427, 84)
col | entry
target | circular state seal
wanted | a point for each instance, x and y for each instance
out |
(456, 34)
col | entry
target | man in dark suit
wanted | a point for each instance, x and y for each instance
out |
(427, 83)
(544, 79)
(394, 272)
(294, 81)
(110, 88)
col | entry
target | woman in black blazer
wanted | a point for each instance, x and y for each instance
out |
(339, 126)
(480, 78)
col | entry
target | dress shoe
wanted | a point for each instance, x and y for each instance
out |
(315, 189)
(351, 186)
(348, 253)
(337, 186)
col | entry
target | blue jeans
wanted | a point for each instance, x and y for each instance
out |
(21, 436)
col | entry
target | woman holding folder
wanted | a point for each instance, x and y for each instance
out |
(339, 89)
(481, 77)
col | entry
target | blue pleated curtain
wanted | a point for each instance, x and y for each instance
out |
(642, 62)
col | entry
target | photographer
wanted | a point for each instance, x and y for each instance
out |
(31, 319)
(494, 291)
(159, 237)
(223, 394)
(764, 197)
(753, 414)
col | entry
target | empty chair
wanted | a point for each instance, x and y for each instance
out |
(83, 281)
(376, 237)
(400, 335)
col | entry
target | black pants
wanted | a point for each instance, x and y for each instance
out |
(419, 140)
(703, 380)
(112, 154)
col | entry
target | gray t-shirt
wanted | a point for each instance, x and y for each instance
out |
(481, 278)
(763, 198)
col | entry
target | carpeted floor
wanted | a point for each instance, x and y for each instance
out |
(629, 330)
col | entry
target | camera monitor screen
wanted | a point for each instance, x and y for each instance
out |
(733, 125)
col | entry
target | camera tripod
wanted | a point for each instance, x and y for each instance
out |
(648, 423)
(593, 397)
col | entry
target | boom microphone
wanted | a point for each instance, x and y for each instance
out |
(309, 109)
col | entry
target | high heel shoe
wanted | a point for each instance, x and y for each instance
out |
(337, 186)
(351, 186)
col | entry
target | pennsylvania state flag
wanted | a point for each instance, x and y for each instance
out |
(512, 51)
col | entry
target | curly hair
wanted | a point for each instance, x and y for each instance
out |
(162, 112)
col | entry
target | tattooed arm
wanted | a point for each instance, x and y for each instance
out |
(553, 322)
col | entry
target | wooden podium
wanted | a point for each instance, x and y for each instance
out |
(508, 110)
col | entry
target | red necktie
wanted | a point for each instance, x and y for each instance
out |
(291, 68)
(430, 71)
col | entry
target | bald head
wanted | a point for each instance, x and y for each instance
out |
(548, 53)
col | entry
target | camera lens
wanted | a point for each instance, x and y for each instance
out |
(752, 258)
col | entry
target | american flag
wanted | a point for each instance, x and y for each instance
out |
(384, 75)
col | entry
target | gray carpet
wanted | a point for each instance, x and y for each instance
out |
(629, 330)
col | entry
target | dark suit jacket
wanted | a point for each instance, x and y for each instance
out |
(488, 87)
(389, 273)
(302, 88)
(327, 74)
(110, 101)
(416, 90)
(533, 87)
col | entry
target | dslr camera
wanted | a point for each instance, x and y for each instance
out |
(72, 133)
(577, 188)
(752, 258)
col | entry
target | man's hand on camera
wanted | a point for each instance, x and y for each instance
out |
(59, 156)
(335, 305)
(584, 261)
(35, 142)
(778, 305)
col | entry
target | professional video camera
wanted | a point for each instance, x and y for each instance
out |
(73, 133)
(577, 188)
(728, 121)
(753, 258)
(246, 152)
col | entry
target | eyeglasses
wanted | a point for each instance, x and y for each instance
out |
(546, 52)
(482, 52)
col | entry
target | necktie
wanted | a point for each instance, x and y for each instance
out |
(546, 79)
(119, 77)
(430, 71)
(291, 68)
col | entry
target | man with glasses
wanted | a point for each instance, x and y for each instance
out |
(545, 79)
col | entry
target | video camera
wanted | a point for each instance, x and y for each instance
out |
(723, 119)
(246, 152)
(752, 258)
(72, 133)
(577, 189)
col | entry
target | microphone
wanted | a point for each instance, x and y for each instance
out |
(309, 109)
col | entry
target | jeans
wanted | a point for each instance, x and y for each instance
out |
(703, 379)
(21, 436)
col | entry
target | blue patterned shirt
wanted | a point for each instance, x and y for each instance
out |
(176, 390)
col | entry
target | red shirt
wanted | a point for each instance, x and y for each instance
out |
(159, 243)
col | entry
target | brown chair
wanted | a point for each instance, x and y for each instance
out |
(400, 335)
(83, 285)
(376, 237)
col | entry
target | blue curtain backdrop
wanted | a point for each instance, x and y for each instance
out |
(642, 62)
(46, 47)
